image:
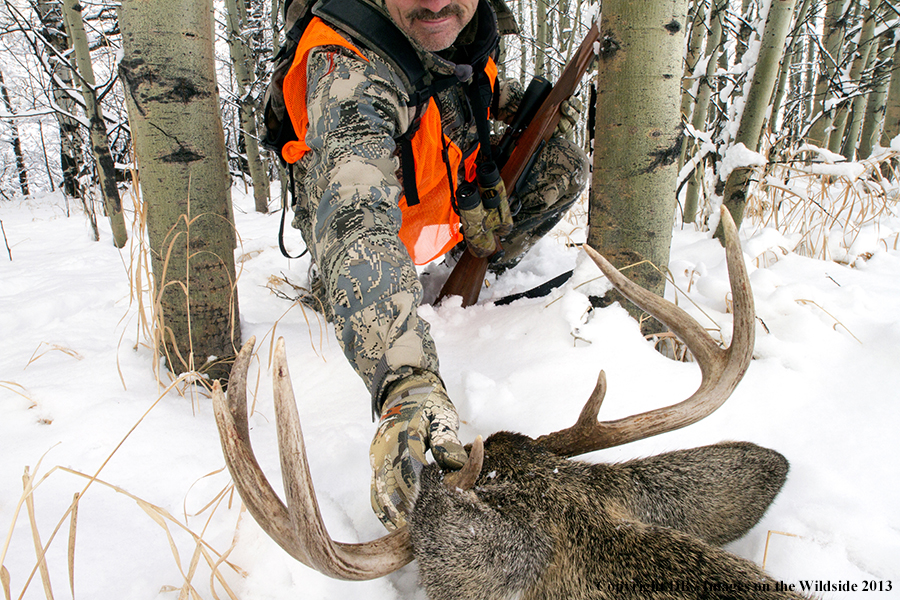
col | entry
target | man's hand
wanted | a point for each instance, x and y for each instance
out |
(416, 416)
(569, 113)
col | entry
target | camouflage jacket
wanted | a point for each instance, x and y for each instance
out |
(348, 190)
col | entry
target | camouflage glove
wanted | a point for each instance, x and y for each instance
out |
(417, 415)
(569, 113)
(473, 218)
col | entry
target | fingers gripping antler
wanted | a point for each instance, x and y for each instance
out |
(721, 369)
(297, 527)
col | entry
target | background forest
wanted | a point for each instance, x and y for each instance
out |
(833, 90)
(787, 111)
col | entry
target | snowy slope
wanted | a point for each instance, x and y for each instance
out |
(76, 381)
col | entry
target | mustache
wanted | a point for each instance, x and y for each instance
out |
(426, 15)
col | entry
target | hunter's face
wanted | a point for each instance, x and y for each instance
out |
(434, 24)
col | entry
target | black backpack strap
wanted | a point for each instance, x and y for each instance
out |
(408, 165)
(284, 209)
(479, 95)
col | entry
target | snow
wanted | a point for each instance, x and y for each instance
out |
(738, 156)
(78, 394)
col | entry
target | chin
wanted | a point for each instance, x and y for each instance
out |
(435, 42)
(437, 46)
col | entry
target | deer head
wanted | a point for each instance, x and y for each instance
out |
(296, 524)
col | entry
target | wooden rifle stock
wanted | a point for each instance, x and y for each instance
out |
(467, 276)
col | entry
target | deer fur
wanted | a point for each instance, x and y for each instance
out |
(539, 526)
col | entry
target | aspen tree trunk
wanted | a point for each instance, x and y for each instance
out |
(541, 41)
(808, 86)
(892, 106)
(168, 73)
(70, 155)
(745, 32)
(638, 137)
(830, 60)
(778, 23)
(243, 78)
(106, 169)
(16, 141)
(839, 122)
(573, 39)
(690, 81)
(274, 16)
(564, 24)
(858, 66)
(792, 55)
(701, 107)
(874, 120)
(523, 59)
(867, 53)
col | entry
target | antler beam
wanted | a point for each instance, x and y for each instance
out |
(721, 369)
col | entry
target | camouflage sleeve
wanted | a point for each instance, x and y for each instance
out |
(349, 213)
(509, 96)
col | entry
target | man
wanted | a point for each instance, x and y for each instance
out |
(377, 168)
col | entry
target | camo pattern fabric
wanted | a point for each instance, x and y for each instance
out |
(348, 190)
(348, 212)
(417, 415)
(551, 188)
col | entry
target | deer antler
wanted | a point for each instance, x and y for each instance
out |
(721, 369)
(297, 527)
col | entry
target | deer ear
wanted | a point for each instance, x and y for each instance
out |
(465, 478)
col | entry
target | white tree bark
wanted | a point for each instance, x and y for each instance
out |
(759, 97)
(168, 73)
(632, 205)
(243, 75)
(106, 171)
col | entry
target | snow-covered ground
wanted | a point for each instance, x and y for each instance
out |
(78, 398)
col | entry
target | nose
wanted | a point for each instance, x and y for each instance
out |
(434, 5)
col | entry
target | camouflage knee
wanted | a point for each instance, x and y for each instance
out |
(553, 186)
(559, 175)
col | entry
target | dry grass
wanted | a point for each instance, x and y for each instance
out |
(147, 291)
(199, 556)
(837, 322)
(201, 551)
(144, 305)
(41, 351)
(834, 211)
(19, 389)
(768, 539)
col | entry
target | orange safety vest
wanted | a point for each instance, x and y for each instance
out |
(431, 227)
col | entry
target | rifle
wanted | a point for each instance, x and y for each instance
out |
(468, 275)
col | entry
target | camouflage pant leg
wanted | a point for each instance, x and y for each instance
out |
(372, 285)
(550, 189)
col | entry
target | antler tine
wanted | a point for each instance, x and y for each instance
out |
(721, 369)
(234, 434)
(465, 478)
(297, 527)
(339, 560)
